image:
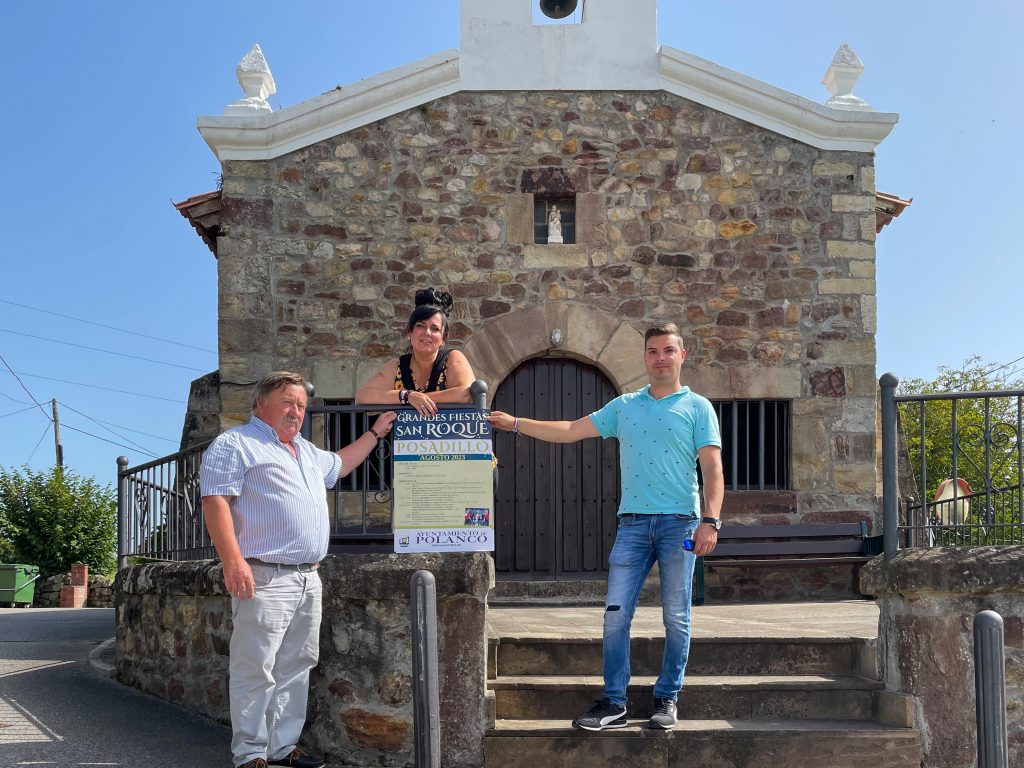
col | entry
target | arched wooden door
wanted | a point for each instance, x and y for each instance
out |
(555, 504)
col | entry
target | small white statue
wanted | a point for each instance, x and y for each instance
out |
(555, 225)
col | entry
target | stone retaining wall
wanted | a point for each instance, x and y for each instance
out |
(928, 599)
(47, 591)
(174, 628)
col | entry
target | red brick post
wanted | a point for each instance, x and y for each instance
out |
(73, 596)
(79, 575)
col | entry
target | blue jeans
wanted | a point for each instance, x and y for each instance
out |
(639, 542)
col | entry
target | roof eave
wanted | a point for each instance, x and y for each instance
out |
(335, 112)
(735, 94)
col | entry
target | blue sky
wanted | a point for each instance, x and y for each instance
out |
(98, 127)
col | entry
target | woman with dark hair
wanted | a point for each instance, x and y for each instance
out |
(431, 373)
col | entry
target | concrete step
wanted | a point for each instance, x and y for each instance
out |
(510, 593)
(836, 697)
(733, 743)
(717, 656)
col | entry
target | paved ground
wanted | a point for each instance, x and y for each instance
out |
(56, 710)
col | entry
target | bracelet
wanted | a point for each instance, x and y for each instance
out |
(374, 433)
(403, 397)
(515, 425)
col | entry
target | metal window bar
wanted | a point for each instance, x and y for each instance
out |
(756, 443)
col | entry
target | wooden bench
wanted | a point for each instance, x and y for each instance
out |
(780, 546)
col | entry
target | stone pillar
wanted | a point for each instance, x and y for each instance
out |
(928, 599)
(361, 692)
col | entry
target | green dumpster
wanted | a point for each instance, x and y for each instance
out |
(17, 584)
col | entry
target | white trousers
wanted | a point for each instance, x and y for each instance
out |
(275, 642)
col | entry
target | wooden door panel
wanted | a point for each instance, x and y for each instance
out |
(556, 503)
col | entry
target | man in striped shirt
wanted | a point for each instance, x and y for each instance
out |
(265, 506)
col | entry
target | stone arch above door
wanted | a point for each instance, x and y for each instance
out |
(588, 334)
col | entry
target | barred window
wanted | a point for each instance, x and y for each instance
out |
(756, 444)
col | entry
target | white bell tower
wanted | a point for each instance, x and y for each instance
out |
(614, 46)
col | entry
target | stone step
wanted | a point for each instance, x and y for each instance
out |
(733, 743)
(836, 697)
(715, 656)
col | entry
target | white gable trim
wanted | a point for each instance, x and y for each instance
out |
(335, 112)
(266, 136)
(765, 105)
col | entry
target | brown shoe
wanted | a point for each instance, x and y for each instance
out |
(299, 758)
(256, 762)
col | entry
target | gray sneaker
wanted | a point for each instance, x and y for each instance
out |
(664, 716)
(602, 716)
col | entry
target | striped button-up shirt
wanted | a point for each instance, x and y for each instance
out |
(278, 501)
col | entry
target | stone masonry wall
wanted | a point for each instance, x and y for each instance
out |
(760, 247)
(928, 599)
(174, 631)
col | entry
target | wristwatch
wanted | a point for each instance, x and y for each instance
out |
(715, 521)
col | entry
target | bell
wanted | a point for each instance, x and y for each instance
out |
(557, 9)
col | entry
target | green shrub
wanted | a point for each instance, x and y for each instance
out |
(56, 518)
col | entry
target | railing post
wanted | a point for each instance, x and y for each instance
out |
(122, 512)
(426, 706)
(990, 690)
(478, 389)
(890, 489)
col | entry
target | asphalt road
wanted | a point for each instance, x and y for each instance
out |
(55, 710)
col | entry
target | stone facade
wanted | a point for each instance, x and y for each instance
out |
(759, 246)
(202, 416)
(928, 599)
(174, 631)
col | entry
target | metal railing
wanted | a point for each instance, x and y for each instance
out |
(967, 462)
(159, 504)
(159, 509)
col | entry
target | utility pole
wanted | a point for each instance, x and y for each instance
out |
(56, 435)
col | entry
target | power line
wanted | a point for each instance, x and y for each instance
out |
(38, 443)
(15, 413)
(119, 445)
(110, 327)
(14, 399)
(122, 426)
(115, 434)
(1006, 365)
(98, 349)
(96, 386)
(15, 375)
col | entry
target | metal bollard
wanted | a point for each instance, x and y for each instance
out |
(990, 690)
(122, 513)
(890, 511)
(426, 708)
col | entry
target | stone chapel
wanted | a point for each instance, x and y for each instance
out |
(686, 192)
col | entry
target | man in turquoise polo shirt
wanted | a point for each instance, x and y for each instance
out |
(663, 430)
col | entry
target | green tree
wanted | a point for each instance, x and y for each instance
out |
(7, 551)
(986, 452)
(56, 518)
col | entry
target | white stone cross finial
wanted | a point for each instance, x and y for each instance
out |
(257, 83)
(841, 77)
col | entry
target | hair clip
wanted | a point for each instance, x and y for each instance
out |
(435, 298)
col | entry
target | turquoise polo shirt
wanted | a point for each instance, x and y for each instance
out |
(658, 445)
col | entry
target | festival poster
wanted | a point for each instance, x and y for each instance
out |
(443, 486)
